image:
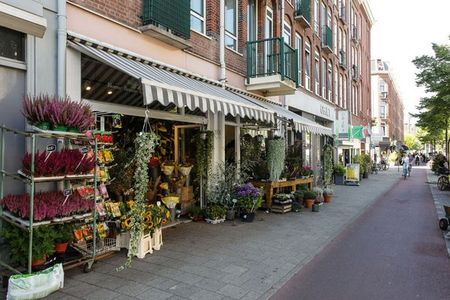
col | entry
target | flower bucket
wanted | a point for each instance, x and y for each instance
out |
(231, 214)
(167, 169)
(315, 207)
(327, 198)
(185, 170)
(43, 125)
(60, 128)
(247, 217)
(38, 262)
(61, 247)
(308, 203)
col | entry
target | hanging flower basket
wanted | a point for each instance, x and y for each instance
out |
(186, 170)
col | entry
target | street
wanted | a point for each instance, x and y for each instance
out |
(394, 250)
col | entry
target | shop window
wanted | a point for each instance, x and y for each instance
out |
(198, 15)
(12, 44)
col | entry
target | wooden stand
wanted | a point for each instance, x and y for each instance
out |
(281, 208)
(269, 186)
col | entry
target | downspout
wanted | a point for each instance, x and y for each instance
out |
(61, 48)
(223, 77)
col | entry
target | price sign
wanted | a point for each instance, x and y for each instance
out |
(51, 148)
(84, 149)
(67, 192)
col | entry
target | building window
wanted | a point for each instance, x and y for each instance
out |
(198, 15)
(336, 86)
(344, 92)
(287, 33)
(383, 129)
(231, 24)
(341, 89)
(251, 22)
(12, 44)
(317, 73)
(307, 66)
(269, 24)
(329, 81)
(324, 77)
(316, 16)
(383, 112)
(299, 47)
(335, 40)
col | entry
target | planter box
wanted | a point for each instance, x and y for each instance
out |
(157, 240)
(146, 244)
(281, 208)
(339, 179)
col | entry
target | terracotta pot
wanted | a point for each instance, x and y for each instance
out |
(327, 198)
(61, 247)
(38, 262)
(308, 203)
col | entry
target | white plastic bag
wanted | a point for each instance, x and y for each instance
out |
(36, 285)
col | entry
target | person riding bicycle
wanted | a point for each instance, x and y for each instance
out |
(383, 162)
(406, 166)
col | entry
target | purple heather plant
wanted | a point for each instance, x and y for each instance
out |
(247, 189)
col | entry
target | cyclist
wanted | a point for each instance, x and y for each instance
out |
(406, 166)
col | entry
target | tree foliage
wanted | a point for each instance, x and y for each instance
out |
(434, 76)
(412, 142)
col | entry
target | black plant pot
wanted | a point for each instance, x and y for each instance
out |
(247, 217)
(339, 179)
(230, 214)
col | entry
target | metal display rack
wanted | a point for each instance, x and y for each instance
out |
(34, 134)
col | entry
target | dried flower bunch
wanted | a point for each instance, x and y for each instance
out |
(66, 161)
(47, 205)
(57, 111)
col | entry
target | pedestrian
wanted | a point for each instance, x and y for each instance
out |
(417, 160)
(405, 162)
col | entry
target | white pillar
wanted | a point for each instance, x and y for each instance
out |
(73, 74)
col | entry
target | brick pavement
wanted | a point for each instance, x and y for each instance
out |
(228, 260)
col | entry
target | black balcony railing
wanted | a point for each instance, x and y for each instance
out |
(342, 59)
(355, 34)
(173, 15)
(270, 57)
(327, 37)
(303, 10)
(355, 72)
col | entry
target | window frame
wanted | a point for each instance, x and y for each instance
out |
(317, 77)
(229, 34)
(199, 17)
(289, 33)
(308, 64)
(299, 47)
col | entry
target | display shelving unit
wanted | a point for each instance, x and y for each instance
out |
(90, 251)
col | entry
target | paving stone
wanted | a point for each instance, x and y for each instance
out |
(162, 283)
(59, 296)
(101, 294)
(81, 290)
(184, 290)
(132, 289)
(234, 269)
(233, 291)
(154, 294)
(210, 284)
(206, 295)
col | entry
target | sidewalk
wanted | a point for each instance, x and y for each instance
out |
(440, 198)
(229, 261)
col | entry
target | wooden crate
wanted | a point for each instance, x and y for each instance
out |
(187, 193)
(281, 208)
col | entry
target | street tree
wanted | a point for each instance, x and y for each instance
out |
(412, 142)
(434, 76)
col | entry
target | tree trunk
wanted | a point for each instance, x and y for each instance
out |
(446, 138)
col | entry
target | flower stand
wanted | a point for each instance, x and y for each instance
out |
(145, 245)
(157, 239)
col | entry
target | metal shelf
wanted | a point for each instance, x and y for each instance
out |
(25, 224)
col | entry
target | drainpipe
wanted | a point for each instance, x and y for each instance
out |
(61, 49)
(223, 77)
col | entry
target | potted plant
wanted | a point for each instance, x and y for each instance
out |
(308, 199)
(249, 200)
(215, 213)
(339, 173)
(275, 157)
(231, 211)
(196, 213)
(63, 236)
(327, 195)
(298, 195)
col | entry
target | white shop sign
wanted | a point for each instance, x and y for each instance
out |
(309, 104)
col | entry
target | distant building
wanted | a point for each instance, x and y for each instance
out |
(387, 108)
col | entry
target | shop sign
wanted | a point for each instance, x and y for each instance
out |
(358, 132)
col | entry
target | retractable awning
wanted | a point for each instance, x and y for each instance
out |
(167, 86)
(301, 124)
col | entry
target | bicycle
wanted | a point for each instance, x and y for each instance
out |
(443, 182)
(384, 166)
(375, 168)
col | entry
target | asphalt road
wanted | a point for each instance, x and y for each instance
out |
(393, 251)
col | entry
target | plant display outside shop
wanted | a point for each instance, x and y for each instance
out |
(275, 157)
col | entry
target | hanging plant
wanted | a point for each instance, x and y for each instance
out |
(145, 144)
(328, 164)
(275, 158)
(203, 156)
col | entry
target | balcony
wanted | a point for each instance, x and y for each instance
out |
(355, 73)
(342, 59)
(303, 12)
(327, 39)
(343, 14)
(355, 34)
(168, 21)
(272, 67)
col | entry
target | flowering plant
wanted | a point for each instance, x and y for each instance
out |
(249, 197)
(307, 171)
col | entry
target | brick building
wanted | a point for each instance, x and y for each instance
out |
(387, 107)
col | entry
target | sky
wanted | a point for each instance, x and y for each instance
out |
(403, 30)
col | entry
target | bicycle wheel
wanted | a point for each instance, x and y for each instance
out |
(442, 183)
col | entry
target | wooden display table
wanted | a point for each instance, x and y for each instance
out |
(269, 186)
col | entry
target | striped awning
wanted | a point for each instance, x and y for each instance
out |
(301, 124)
(167, 86)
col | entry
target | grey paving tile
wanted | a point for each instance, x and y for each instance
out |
(101, 294)
(59, 296)
(162, 283)
(252, 295)
(210, 284)
(184, 290)
(233, 291)
(205, 295)
(81, 290)
(132, 289)
(154, 294)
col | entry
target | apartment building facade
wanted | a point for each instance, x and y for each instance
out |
(387, 108)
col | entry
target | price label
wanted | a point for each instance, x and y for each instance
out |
(67, 192)
(51, 148)
(84, 149)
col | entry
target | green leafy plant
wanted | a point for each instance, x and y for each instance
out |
(63, 233)
(17, 240)
(339, 170)
(360, 160)
(215, 211)
(328, 191)
(249, 198)
(309, 195)
(328, 165)
(298, 195)
(204, 148)
(275, 157)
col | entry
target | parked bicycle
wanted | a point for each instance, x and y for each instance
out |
(375, 168)
(443, 182)
(384, 165)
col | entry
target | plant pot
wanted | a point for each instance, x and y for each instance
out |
(43, 125)
(231, 214)
(339, 179)
(60, 128)
(365, 175)
(308, 203)
(61, 247)
(315, 207)
(38, 262)
(327, 198)
(247, 217)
